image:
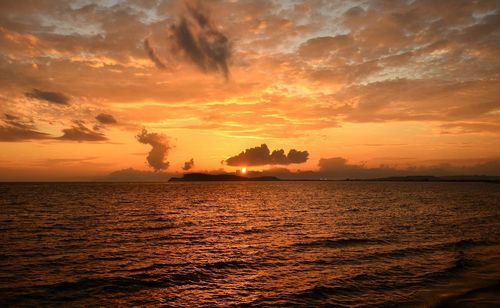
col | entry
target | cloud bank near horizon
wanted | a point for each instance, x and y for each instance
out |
(338, 168)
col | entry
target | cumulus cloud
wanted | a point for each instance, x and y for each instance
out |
(188, 165)
(15, 129)
(51, 97)
(259, 156)
(159, 151)
(196, 38)
(153, 55)
(79, 132)
(105, 118)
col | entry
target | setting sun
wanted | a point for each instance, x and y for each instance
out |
(244, 170)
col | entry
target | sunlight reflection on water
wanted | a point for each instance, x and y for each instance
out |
(273, 243)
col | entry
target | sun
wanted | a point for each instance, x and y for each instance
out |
(244, 170)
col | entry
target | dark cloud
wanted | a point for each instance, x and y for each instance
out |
(160, 147)
(79, 132)
(198, 38)
(188, 165)
(259, 156)
(105, 118)
(51, 97)
(13, 134)
(10, 117)
(152, 54)
(16, 121)
(15, 129)
(297, 157)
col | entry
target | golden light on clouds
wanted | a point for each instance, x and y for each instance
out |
(366, 89)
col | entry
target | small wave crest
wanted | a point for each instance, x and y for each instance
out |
(342, 242)
(94, 287)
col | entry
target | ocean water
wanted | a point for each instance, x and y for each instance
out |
(248, 243)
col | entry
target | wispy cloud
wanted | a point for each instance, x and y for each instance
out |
(152, 54)
(79, 132)
(15, 129)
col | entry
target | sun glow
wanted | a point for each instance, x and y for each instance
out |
(244, 170)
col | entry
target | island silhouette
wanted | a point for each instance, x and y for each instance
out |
(204, 177)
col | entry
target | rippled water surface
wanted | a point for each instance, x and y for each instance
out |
(279, 243)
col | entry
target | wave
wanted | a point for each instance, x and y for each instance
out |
(379, 282)
(459, 245)
(138, 229)
(209, 266)
(85, 287)
(324, 291)
(226, 265)
(342, 242)
(488, 295)
(459, 264)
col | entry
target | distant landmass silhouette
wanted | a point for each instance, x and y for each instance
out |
(225, 177)
(431, 178)
(203, 177)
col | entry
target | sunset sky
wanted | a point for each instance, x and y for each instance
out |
(343, 88)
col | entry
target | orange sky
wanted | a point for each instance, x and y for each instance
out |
(409, 85)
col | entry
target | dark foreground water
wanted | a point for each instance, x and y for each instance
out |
(280, 243)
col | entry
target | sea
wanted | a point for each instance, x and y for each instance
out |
(219, 244)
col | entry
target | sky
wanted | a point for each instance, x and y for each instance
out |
(322, 89)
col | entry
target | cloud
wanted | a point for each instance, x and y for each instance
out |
(105, 118)
(152, 54)
(160, 148)
(79, 132)
(297, 157)
(188, 165)
(338, 168)
(13, 134)
(320, 47)
(15, 129)
(259, 156)
(67, 161)
(200, 40)
(470, 128)
(51, 97)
